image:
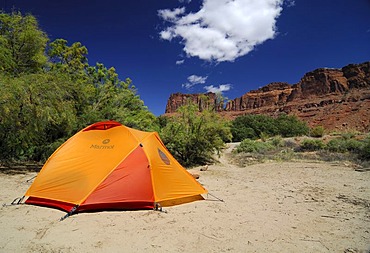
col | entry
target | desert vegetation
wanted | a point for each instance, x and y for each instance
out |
(49, 91)
(344, 147)
(262, 126)
(194, 137)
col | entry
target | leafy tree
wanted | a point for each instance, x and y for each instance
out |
(194, 137)
(105, 95)
(290, 125)
(262, 126)
(39, 110)
(22, 44)
(36, 110)
(253, 127)
(70, 59)
(162, 121)
(6, 60)
(116, 99)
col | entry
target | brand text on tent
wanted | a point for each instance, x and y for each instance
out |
(102, 146)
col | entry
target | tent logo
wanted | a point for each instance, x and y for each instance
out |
(104, 146)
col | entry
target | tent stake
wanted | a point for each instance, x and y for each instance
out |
(216, 197)
(158, 207)
(69, 214)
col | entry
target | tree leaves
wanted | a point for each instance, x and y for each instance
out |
(43, 102)
(259, 126)
(194, 137)
(22, 44)
(69, 59)
(37, 109)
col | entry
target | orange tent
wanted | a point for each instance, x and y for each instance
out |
(111, 166)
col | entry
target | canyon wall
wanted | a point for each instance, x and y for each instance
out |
(337, 99)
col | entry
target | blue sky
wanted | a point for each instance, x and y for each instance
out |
(170, 46)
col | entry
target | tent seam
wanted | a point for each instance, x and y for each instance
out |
(150, 167)
(108, 174)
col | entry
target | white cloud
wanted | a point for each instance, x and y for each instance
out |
(290, 3)
(166, 35)
(194, 80)
(223, 30)
(221, 88)
(171, 15)
(187, 86)
(179, 62)
(197, 79)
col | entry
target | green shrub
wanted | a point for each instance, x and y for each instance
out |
(317, 131)
(253, 127)
(343, 145)
(251, 146)
(290, 144)
(263, 126)
(312, 145)
(364, 153)
(336, 145)
(348, 135)
(264, 136)
(289, 126)
(277, 141)
(194, 137)
(353, 145)
(240, 133)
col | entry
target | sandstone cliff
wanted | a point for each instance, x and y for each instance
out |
(204, 101)
(338, 99)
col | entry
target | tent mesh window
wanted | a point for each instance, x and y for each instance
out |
(163, 157)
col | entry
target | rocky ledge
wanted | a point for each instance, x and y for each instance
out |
(337, 99)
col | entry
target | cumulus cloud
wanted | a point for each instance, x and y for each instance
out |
(221, 88)
(222, 30)
(194, 80)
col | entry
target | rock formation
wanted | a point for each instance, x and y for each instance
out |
(337, 99)
(204, 101)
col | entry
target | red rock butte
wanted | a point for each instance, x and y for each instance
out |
(337, 99)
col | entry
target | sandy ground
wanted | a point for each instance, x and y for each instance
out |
(270, 207)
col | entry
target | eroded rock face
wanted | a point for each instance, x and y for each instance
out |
(337, 99)
(204, 101)
(269, 95)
